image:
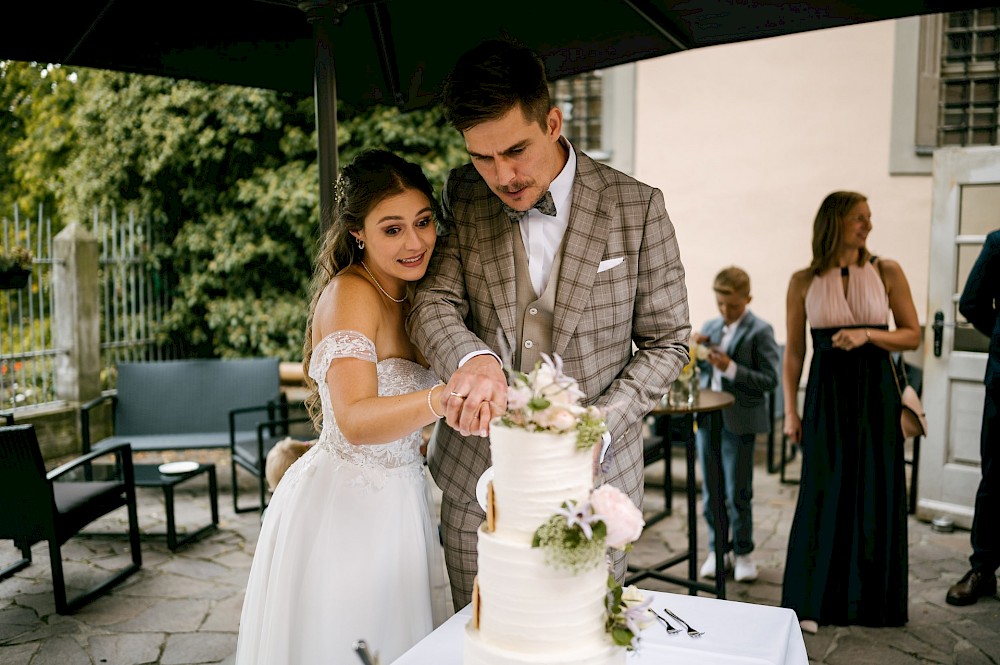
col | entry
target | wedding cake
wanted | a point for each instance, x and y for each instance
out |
(541, 593)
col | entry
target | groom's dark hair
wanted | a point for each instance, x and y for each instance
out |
(491, 79)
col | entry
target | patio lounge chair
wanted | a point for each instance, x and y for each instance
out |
(56, 506)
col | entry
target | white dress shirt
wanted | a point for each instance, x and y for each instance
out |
(542, 234)
(727, 336)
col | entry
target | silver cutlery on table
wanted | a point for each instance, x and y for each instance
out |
(666, 624)
(692, 632)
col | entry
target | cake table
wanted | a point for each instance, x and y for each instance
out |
(736, 633)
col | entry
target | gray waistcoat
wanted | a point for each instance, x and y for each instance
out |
(534, 313)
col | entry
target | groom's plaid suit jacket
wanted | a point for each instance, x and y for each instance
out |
(468, 295)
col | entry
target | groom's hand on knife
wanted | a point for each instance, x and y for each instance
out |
(476, 393)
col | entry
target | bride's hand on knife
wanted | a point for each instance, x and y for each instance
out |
(475, 394)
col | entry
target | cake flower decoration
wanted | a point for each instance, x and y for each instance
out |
(573, 539)
(623, 520)
(628, 613)
(579, 515)
(636, 614)
(547, 400)
(578, 534)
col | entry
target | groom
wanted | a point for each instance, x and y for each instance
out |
(551, 252)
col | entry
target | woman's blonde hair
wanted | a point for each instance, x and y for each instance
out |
(371, 177)
(828, 231)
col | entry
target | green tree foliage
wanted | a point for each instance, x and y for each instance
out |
(228, 177)
(36, 134)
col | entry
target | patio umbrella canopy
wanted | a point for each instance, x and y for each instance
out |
(353, 54)
(397, 51)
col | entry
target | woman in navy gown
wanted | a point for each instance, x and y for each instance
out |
(847, 550)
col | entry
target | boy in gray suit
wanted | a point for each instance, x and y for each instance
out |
(743, 360)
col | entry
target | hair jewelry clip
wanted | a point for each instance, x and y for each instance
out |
(340, 188)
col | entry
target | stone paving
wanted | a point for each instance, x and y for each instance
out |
(183, 607)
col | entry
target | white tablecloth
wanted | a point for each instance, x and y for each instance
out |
(735, 634)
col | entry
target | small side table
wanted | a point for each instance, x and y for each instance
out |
(148, 475)
(709, 403)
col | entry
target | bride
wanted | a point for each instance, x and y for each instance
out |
(347, 549)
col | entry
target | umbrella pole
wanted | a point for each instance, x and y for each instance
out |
(323, 18)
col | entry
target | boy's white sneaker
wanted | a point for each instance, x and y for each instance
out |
(708, 569)
(746, 569)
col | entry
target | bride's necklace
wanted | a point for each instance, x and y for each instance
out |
(396, 300)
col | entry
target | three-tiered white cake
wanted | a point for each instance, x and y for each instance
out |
(525, 610)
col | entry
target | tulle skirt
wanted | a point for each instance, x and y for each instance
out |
(339, 560)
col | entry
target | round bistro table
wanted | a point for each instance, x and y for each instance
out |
(706, 409)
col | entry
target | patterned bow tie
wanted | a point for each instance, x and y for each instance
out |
(545, 205)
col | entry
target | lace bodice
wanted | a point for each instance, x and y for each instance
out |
(396, 376)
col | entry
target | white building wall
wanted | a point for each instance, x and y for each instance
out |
(745, 140)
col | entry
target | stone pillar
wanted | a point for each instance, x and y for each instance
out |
(75, 319)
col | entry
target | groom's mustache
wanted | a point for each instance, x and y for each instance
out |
(514, 187)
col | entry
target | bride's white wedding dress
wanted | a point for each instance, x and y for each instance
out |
(347, 549)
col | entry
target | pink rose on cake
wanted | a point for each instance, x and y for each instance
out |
(622, 518)
(577, 535)
(555, 419)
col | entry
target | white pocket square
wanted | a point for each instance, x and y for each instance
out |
(608, 264)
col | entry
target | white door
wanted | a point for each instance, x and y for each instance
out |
(966, 207)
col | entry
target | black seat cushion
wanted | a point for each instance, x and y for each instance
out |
(80, 503)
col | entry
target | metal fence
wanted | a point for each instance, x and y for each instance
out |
(27, 355)
(134, 300)
(134, 296)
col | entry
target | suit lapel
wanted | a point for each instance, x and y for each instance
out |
(583, 246)
(713, 330)
(741, 331)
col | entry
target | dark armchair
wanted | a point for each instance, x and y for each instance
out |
(56, 506)
(251, 454)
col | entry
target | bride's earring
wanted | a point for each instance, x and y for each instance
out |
(361, 243)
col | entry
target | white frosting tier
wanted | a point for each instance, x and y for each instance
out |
(533, 474)
(478, 652)
(532, 608)
(529, 612)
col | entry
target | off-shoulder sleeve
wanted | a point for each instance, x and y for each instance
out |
(339, 344)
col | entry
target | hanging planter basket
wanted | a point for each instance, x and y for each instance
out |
(14, 279)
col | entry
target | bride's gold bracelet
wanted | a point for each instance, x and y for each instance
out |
(430, 404)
